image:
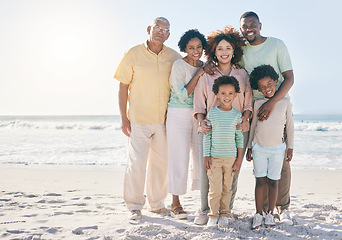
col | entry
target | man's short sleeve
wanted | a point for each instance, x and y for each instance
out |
(124, 72)
(283, 58)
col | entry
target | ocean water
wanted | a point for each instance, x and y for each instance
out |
(97, 141)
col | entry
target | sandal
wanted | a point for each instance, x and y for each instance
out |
(178, 212)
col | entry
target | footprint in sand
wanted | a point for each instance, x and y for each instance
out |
(80, 204)
(53, 230)
(63, 213)
(79, 230)
(72, 191)
(56, 201)
(41, 221)
(5, 200)
(83, 211)
(312, 205)
(31, 196)
(329, 207)
(31, 215)
(150, 230)
(53, 195)
(14, 193)
(15, 231)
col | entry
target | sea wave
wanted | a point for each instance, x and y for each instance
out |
(318, 126)
(59, 125)
(115, 125)
(120, 165)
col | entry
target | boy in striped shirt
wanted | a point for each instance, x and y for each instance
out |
(222, 149)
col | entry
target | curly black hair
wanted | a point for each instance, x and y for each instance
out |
(188, 35)
(260, 72)
(223, 80)
(230, 35)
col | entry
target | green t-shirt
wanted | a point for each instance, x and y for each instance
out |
(271, 52)
(224, 138)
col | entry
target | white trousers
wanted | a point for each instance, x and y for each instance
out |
(147, 159)
(182, 139)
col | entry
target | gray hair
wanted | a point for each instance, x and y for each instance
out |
(154, 22)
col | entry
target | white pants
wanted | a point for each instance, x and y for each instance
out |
(147, 158)
(182, 138)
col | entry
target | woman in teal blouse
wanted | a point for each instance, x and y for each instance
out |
(181, 127)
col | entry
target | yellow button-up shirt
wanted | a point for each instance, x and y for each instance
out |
(148, 76)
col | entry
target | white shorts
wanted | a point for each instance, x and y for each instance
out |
(268, 161)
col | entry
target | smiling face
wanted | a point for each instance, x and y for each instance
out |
(250, 28)
(224, 52)
(158, 33)
(267, 86)
(194, 49)
(226, 95)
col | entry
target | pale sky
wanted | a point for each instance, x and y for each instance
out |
(58, 57)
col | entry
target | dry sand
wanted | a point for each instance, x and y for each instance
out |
(88, 204)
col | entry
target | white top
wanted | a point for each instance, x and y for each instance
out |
(271, 131)
(181, 74)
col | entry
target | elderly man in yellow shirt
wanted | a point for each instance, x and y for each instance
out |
(144, 83)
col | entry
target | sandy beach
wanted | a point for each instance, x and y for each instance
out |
(88, 204)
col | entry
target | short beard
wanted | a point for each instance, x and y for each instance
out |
(252, 40)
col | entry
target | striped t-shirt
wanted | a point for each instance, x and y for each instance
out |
(224, 138)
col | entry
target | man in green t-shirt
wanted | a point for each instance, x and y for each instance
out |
(261, 50)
